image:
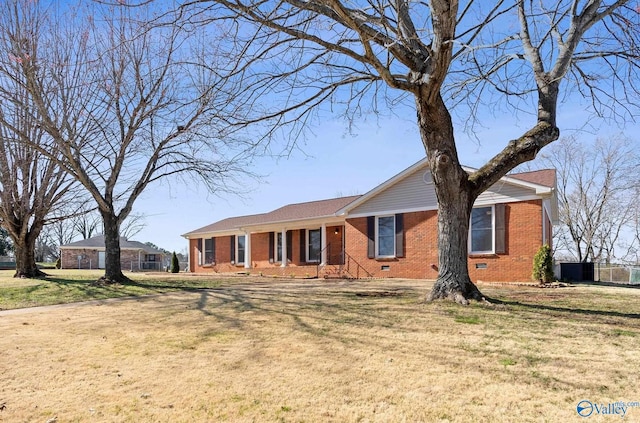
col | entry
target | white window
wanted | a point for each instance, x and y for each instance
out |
(278, 246)
(313, 245)
(240, 249)
(386, 236)
(481, 233)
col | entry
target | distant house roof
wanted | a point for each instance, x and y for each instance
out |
(97, 242)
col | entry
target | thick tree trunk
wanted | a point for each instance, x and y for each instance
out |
(24, 248)
(113, 270)
(455, 199)
(453, 231)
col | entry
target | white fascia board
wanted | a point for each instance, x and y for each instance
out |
(390, 212)
(272, 227)
(212, 234)
(420, 209)
(540, 189)
(295, 224)
(551, 205)
(508, 200)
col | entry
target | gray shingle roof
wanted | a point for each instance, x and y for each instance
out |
(98, 242)
(545, 177)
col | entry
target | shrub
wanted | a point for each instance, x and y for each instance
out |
(58, 263)
(543, 265)
(175, 265)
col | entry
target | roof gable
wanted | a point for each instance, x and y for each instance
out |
(410, 190)
(413, 190)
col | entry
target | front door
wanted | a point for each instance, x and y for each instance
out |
(100, 259)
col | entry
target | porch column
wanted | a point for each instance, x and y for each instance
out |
(247, 250)
(323, 244)
(284, 248)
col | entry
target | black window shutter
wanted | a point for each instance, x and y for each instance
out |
(272, 237)
(233, 247)
(371, 233)
(289, 245)
(501, 230)
(399, 235)
(199, 251)
(303, 247)
(213, 249)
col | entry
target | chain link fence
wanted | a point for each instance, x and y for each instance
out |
(617, 273)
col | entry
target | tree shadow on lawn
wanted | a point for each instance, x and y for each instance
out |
(568, 310)
(314, 312)
(152, 286)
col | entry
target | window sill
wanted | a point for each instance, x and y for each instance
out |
(387, 258)
(208, 265)
(483, 255)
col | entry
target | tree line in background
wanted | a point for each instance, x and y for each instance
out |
(96, 104)
(598, 199)
(108, 99)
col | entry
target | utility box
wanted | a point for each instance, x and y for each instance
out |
(579, 272)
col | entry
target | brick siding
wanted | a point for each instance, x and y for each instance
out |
(523, 222)
(129, 259)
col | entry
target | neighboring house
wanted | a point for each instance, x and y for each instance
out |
(7, 263)
(90, 254)
(391, 231)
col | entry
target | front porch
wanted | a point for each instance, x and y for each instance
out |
(310, 250)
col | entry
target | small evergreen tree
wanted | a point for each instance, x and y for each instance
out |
(59, 263)
(6, 246)
(543, 265)
(175, 265)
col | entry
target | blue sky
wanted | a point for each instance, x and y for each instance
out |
(332, 163)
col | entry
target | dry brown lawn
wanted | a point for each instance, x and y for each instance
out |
(315, 351)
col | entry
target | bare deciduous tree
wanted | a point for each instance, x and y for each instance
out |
(596, 194)
(444, 55)
(32, 184)
(133, 224)
(86, 224)
(124, 106)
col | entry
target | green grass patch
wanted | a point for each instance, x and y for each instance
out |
(622, 332)
(508, 362)
(469, 320)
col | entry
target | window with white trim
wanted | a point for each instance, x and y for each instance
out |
(241, 245)
(481, 231)
(313, 245)
(386, 236)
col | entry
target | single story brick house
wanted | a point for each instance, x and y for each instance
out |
(90, 254)
(391, 231)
